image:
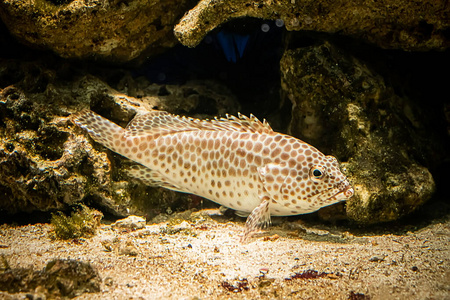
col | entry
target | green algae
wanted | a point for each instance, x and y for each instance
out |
(80, 224)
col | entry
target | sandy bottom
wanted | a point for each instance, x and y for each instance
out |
(203, 259)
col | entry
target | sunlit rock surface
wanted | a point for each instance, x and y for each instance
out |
(346, 109)
(113, 31)
(398, 24)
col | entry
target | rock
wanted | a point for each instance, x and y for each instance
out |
(200, 99)
(395, 24)
(47, 163)
(346, 109)
(113, 31)
(130, 223)
(110, 243)
(44, 164)
(128, 247)
(60, 278)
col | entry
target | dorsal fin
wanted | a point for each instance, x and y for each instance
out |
(244, 123)
(161, 122)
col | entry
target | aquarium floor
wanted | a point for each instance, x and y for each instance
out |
(205, 260)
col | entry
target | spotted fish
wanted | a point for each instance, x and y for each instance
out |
(238, 162)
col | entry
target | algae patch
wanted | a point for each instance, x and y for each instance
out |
(81, 223)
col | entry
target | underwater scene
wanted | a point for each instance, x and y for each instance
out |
(226, 149)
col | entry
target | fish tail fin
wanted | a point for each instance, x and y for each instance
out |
(100, 129)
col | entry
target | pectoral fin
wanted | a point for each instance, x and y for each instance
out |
(259, 218)
(273, 177)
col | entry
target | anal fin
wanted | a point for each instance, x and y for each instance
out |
(152, 178)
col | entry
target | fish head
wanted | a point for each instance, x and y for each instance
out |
(305, 183)
(320, 182)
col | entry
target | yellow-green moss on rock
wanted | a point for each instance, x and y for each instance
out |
(80, 224)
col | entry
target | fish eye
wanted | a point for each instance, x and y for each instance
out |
(316, 173)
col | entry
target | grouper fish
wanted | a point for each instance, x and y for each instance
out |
(238, 162)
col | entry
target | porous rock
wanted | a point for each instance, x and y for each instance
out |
(47, 163)
(114, 31)
(346, 109)
(200, 98)
(410, 25)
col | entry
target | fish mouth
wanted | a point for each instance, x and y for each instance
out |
(341, 192)
(344, 194)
